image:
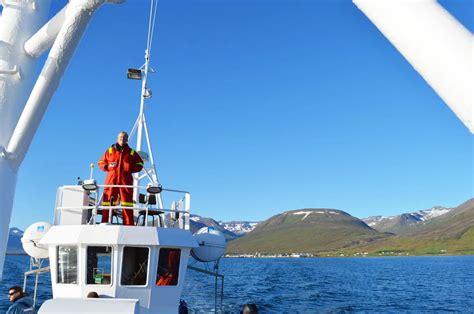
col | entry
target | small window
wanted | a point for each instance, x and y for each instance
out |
(99, 265)
(67, 264)
(135, 266)
(168, 267)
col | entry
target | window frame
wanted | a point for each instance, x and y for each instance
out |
(178, 284)
(111, 267)
(77, 265)
(147, 269)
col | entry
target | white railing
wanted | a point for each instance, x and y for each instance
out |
(175, 217)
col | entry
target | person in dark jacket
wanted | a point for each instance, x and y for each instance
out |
(21, 302)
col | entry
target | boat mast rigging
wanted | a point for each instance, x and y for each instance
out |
(140, 126)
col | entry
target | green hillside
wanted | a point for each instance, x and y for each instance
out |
(334, 232)
(308, 231)
(452, 233)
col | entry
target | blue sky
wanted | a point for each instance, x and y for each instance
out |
(258, 107)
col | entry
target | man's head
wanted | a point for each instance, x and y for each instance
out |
(122, 138)
(14, 293)
(93, 295)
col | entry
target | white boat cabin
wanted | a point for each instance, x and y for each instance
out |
(140, 268)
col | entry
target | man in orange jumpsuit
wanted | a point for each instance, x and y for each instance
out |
(120, 161)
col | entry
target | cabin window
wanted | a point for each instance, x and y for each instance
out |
(168, 267)
(135, 266)
(67, 264)
(99, 265)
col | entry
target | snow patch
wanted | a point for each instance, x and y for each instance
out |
(305, 213)
(239, 227)
(434, 212)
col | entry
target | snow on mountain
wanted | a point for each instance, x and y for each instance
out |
(14, 242)
(391, 223)
(432, 212)
(239, 227)
(373, 220)
(195, 218)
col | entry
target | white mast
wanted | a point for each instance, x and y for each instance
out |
(21, 112)
(140, 124)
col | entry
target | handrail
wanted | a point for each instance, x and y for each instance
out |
(139, 187)
(119, 207)
(180, 207)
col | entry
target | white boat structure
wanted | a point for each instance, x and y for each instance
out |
(132, 269)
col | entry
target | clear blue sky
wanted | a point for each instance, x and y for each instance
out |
(258, 107)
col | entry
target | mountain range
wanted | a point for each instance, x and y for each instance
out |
(397, 224)
(450, 233)
(323, 231)
(437, 230)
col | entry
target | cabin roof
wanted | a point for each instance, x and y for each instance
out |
(118, 235)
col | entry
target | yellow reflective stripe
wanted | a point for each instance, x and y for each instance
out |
(102, 162)
(132, 152)
(140, 163)
(108, 203)
(110, 150)
(127, 204)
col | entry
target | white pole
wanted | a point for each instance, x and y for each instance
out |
(136, 181)
(19, 20)
(8, 177)
(439, 47)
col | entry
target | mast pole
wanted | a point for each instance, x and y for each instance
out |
(140, 124)
(140, 121)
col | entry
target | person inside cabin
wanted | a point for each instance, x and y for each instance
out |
(169, 269)
(120, 161)
(21, 302)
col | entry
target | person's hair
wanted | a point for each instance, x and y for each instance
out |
(92, 294)
(249, 308)
(124, 133)
(16, 289)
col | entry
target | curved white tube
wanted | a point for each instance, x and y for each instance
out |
(78, 14)
(45, 37)
(18, 22)
(439, 47)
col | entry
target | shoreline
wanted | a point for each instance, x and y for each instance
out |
(337, 256)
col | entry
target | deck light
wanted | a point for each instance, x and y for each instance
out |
(134, 74)
(154, 188)
(89, 185)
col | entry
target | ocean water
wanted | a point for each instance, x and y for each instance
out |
(319, 285)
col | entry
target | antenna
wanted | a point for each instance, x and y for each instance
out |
(140, 125)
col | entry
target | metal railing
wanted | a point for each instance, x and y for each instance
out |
(36, 269)
(177, 216)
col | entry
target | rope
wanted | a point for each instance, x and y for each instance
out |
(151, 25)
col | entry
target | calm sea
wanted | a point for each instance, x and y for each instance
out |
(326, 285)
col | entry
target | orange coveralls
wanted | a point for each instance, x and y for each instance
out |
(119, 165)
